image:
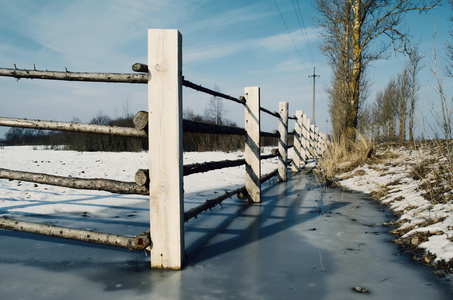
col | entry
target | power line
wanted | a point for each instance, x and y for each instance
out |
(287, 29)
(300, 19)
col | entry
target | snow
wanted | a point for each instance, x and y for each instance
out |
(404, 195)
(19, 198)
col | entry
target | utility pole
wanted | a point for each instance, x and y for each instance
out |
(314, 81)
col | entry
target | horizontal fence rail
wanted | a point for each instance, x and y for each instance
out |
(75, 76)
(100, 184)
(139, 242)
(274, 114)
(143, 68)
(211, 92)
(73, 127)
(208, 204)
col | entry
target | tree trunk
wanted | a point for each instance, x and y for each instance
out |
(411, 116)
(356, 71)
(378, 123)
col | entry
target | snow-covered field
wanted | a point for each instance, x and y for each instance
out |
(25, 198)
(425, 222)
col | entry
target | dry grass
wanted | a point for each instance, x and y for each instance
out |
(430, 163)
(342, 156)
(436, 173)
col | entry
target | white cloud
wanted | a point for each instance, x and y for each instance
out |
(282, 41)
(88, 35)
(211, 52)
(279, 43)
(227, 19)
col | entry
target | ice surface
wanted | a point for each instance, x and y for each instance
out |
(301, 242)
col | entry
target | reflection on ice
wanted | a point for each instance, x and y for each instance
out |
(300, 242)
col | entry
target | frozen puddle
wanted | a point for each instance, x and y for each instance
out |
(301, 242)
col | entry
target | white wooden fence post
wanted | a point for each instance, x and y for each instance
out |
(165, 148)
(305, 138)
(317, 141)
(297, 157)
(312, 141)
(323, 143)
(252, 143)
(283, 141)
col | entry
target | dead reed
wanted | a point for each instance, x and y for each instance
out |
(342, 155)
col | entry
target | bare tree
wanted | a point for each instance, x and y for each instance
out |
(450, 49)
(352, 26)
(388, 106)
(337, 27)
(443, 117)
(214, 111)
(402, 100)
(366, 122)
(377, 113)
(414, 66)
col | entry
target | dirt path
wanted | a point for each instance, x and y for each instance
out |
(302, 242)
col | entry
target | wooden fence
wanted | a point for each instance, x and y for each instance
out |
(163, 125)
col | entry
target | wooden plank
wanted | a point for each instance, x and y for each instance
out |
(252, 143)
(283, 141)
(166, 148)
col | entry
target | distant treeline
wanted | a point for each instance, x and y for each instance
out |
(79, 141)
(94, 142)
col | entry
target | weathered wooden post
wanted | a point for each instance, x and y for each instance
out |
(316, 141)
(297, 157)
(165, 148)
(252, 143)
(323, 143)
(283, 141)
(312, 141)
(305, 138)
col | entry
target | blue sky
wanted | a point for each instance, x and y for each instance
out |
(230, 44)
